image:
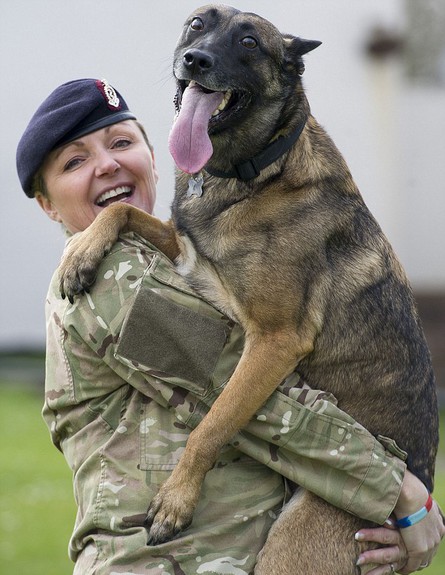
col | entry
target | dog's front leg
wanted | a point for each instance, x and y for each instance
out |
(267, 359)
(78, 268)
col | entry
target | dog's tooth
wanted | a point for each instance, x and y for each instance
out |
(225, 99)
(223, 104)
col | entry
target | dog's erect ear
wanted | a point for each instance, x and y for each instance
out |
(297, 47)
(302, 46)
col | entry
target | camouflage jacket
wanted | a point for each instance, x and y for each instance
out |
(131, 368)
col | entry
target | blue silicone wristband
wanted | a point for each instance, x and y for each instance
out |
(417, 516)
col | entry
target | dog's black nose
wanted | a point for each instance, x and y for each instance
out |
(197, 61)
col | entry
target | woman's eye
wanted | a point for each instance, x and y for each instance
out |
(197, 24)
(249, 42)
(72, 163)
(122, 143)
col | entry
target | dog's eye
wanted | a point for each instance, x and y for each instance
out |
(197, 24)
(249, 42)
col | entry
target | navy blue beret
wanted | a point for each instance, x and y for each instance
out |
(73, 110)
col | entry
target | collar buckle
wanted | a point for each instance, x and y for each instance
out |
(247, 170)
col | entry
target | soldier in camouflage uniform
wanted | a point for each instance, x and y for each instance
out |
(121, 396)
(134, 365)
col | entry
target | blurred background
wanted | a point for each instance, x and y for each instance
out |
(377, 84)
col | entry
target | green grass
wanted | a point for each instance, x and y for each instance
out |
(37, 507)
(36, 503)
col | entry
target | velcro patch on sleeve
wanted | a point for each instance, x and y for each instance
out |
(160, 335)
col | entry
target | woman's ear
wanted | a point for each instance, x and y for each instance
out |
(48, 207)
(155, 171)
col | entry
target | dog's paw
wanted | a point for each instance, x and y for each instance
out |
(78, 267)
(168, 515)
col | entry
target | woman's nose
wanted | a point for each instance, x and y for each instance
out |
(106, 164)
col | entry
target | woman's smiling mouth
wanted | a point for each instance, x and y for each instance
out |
(114, 195)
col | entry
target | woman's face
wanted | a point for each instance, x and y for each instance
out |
(113, 164)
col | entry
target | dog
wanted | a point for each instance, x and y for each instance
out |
(268, 224)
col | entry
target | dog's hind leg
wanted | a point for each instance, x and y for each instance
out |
(311, 537)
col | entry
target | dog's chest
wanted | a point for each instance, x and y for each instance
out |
(209, 223)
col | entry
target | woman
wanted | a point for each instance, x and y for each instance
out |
(136, 363)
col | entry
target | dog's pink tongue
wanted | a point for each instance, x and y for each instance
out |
(189, 141)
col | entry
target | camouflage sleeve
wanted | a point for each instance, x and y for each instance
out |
(154, 332)
(303, 435)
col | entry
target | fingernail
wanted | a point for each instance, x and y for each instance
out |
(358, 536)
(360, 561)
(389, 522)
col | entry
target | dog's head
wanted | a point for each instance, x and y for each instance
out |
(236, 78)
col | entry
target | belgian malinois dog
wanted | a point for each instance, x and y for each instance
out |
(268, 224)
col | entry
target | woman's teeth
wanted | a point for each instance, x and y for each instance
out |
(108, 195)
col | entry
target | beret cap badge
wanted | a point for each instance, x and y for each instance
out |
(109, 93)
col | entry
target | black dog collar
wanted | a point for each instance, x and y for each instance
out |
(252, 168)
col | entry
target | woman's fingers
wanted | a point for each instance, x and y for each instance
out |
(387, 559)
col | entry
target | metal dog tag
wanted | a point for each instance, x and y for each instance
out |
(195, 185)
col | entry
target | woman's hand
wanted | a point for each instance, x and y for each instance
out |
(423, 538)
(409, 549)
(388, 559)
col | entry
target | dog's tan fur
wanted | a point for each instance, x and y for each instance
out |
(296, 258)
